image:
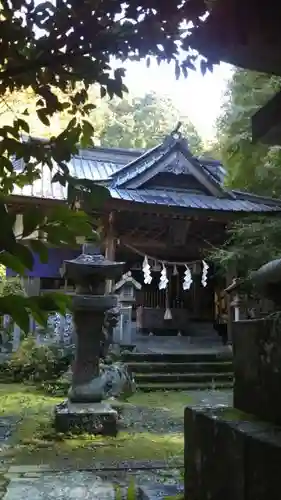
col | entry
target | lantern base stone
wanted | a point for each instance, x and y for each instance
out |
(89, 418)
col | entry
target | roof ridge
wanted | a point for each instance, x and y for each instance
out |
(136, 160)
(255, 195)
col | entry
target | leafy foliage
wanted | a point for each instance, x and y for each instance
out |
(250, 167)
(250, 243)
(33, 362)
(11, 286)
(130, 122)
(142, 122)
(55, 51)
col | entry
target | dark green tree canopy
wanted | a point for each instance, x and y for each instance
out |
(250, 167)
(143, 122)
(57, 50)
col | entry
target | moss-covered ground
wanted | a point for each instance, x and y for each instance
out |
(152, 429)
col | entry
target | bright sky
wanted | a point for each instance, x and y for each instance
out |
(198, 97)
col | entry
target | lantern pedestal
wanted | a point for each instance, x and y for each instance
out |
(89, 418)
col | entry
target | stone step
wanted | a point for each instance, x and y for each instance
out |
(196, 367)
(152, 378)
(176, 357)
(183, 386)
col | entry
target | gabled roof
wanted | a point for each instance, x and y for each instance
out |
(127, 278)
(173, 156)
(128, 175)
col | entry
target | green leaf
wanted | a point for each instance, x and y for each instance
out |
(61, 178)
(12, 262)
(23, 125)
(89, 107)
(102, 92)
(43, 117)
(203, 66)
(59, 235)
(16, 307)
(21, 316)
(7, 236)
(99, 194)
(5, 163)
(54, 302)
(177, 70)
(32, 219)
(40, 248)
(23, 253)
(37, 311)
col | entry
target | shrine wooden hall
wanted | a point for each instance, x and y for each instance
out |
(167, 209)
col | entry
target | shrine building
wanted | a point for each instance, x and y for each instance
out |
(167, 209)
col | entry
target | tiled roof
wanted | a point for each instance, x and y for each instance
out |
(100, 164)
(211, 169)
(108, 165)
(45, 189)
(94, 164)
(187, 200)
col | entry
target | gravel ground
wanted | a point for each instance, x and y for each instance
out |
(163, 421)
(143, 419)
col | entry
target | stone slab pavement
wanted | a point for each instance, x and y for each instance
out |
(102, 485)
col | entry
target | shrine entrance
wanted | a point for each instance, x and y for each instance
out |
(177, 295)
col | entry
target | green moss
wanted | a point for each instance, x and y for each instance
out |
(232, 414)
(174, 401)
(35, 441)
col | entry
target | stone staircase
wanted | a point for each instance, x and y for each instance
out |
(180, 371)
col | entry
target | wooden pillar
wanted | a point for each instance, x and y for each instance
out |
(235, 304)
(110, 247)
(230, 275)
(197, 295)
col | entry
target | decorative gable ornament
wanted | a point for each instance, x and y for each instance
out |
(127, 279)
(177, 165)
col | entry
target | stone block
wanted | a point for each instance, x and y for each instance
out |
(229, 455)
(159, 491)
(89, 418)
(62, 486)
(257, 368)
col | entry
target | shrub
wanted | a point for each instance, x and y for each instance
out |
(33, 362)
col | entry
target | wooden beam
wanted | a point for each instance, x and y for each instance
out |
(143, 243)
(110, 246)
(168, 211)
(22, 201)
(230, 275)
(266, 122)
(242, 33)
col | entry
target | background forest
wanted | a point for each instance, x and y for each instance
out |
(250, 167)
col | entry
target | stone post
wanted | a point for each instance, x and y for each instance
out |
(234, 452)
(84, 411)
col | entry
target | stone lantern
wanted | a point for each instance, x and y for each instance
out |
(85, 411)
(126, 290)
